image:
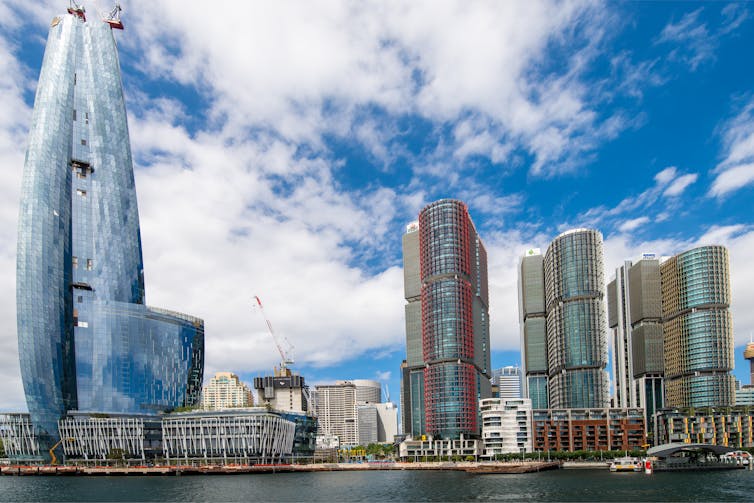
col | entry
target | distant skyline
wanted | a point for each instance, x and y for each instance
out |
(280, 149)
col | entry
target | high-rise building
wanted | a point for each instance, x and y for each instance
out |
(454, 319)
(284, 391)
(337, 407)
(225, 390)
(576, 328)
(86, 339)
(508, 382)
(634, 309)
(378, 422)
(749, 355)
(533, 323)
(387, 421)
(412, 369)
(697, 329)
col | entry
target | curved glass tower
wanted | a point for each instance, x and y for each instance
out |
(576, 328)
(455, 319)
(86, 340)
(698, 329)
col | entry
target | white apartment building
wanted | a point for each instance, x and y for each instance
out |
(506, 426)
(225, 390)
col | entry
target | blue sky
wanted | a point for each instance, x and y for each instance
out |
(281, 148)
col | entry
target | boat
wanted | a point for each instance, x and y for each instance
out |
(626, 464)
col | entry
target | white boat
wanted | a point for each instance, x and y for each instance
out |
(626, 464)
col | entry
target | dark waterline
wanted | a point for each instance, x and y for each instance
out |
(561, 485)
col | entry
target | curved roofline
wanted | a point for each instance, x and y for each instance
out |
(666, 450)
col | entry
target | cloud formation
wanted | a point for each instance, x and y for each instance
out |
(736, 170)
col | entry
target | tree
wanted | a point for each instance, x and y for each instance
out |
(2, 449)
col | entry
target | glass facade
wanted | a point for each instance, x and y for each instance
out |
(533, 321)
(697, 328)
(576, 322)
(537, 386)
(455, 319)
(86, 339)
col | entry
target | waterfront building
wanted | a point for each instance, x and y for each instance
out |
(576, 324)
(726, 426)
(588, 429)
(454, 319)
(697, 329)
(253, 435)
(86, 339)
(533, 324)
(508, 382)
(19, 438)
(337, 412)
(506, 426)
(225, 390)
(95, 438)
(432, 449)
(634, 309)
(412, 368)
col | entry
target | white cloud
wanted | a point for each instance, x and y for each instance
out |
(692, 37)
(661, 198)
(383, 375)
(676, 188)
(633, 224)
(694, 42)
(737, 168)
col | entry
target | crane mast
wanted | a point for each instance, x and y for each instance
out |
(285, 357)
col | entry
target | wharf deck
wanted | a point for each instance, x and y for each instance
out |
(471, 467)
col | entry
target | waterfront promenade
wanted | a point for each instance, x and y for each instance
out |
(476, 467)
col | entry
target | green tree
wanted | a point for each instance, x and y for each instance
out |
(116, 454)
(2, 449)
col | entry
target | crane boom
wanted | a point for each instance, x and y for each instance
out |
(285, 357)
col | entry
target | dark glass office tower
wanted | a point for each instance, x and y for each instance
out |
(86, 340)
(533, 322)
(454, 319)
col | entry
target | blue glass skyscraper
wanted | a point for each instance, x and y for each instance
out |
(86, 339)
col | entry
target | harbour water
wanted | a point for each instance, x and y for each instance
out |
(559, 485)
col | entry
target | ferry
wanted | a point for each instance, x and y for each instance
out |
(741, 457)
(626, 464)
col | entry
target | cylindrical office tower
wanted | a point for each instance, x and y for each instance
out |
(576, 329)
(455, 333)
(698, 329)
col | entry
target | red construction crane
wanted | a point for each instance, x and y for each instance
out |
(285, 356)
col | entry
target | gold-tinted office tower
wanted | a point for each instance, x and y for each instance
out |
(697, 328)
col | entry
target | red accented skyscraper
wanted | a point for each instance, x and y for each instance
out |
(454, 319)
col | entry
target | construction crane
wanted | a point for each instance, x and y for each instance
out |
(285, 354)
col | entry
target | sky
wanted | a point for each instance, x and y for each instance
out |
(280, 148)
